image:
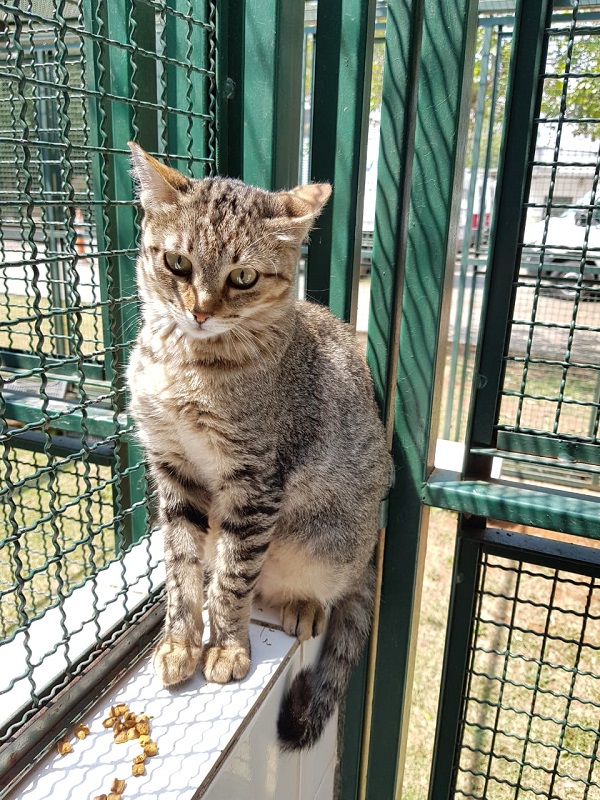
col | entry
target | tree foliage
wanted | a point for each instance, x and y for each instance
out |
(577, 97)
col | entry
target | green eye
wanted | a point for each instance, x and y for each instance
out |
(242, 278)
(179, 265)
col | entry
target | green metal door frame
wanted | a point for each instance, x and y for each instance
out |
(412, 386)
(259, 74)
(340, 114)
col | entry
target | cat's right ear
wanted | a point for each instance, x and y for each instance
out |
(158, 186)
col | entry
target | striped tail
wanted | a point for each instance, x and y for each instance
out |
(315, 692)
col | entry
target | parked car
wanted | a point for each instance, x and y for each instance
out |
(558, 246)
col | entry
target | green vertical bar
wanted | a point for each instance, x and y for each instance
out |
(518, 145)
(110, 72)
(96, 68)
(186, 87)
(444, 83)
(341, 94)
(230, 86)
(465, 578)
(122, 228)
(272, 91)
(398, 116)
(144, 67)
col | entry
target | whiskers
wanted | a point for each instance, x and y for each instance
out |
(252, 344)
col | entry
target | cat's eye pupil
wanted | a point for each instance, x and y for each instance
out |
(243, 278)
(178, 264)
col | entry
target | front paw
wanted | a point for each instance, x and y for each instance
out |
(174, 661)
(224, 664)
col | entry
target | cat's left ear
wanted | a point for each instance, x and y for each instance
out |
(302, 206)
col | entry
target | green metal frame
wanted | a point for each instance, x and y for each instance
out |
(341, 89)
(443, 82)
(260, 69)
(116, 227)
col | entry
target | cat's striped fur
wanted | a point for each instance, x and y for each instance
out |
(257, 416)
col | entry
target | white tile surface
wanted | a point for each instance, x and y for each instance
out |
(256, 769)
(195, 727)
(315, 763)
(325, 791)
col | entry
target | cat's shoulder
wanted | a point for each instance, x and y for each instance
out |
(321, 320)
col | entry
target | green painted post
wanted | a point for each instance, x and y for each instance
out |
(186, 48)
(110, 69)
(230, 86)
(466, 242)
(523, 98)
(444, 81)
(467, 560)
(145, 120)
(272, 90)
(340, 121)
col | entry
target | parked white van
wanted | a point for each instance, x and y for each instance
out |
(558, 246)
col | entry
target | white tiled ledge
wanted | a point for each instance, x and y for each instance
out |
(215, 742)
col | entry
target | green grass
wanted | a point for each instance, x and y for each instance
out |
(60, 331)
(549, 740)
(42, 552)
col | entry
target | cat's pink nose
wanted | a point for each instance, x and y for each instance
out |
(200, 316)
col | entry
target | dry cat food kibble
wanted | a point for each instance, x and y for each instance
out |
(64, 746)
(126, 727)
(81, 731)
(151, 749)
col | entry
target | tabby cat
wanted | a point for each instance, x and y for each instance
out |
(257, 417)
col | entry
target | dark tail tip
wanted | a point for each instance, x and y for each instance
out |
(297, 727)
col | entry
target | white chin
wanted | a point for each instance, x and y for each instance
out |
(210, 331)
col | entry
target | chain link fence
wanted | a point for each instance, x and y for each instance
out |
(78, 79)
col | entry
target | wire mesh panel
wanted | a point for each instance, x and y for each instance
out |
(551, 389)
(551, 382)
(530, 726)
(78, 79)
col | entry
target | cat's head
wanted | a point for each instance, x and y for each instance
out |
(217, 256)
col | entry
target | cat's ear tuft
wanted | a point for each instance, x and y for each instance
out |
(158, 186)
(302, 206)
(308, 200)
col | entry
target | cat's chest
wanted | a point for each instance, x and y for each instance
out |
(186, 423)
